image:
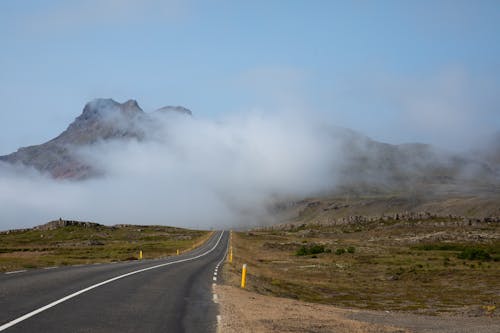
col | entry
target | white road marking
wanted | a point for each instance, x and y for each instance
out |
(50, 305)
(215, 297)
(219, 328)
(220, 262)
(15, 272)
(52, 267)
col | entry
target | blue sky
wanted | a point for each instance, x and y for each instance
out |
(398, 71)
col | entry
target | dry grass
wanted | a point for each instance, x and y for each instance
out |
(390, 268)
(72, 245)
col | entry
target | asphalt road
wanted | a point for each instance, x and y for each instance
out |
(164, 295)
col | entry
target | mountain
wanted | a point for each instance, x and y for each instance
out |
(371, 166)
(363, 165)
(101, 120)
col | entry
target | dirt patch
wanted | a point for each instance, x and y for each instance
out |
(243, 311)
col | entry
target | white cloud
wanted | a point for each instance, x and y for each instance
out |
(196, 173)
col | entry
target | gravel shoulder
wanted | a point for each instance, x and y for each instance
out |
(243, 311)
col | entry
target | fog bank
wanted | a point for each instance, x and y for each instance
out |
(187, 172)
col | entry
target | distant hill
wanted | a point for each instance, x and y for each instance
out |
(371, 165)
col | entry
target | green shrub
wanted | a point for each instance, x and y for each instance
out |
(315, 249)
(302, 251)
(474, 254)
(351, 249)
(311, 249)
(340, 252)
(440, 247)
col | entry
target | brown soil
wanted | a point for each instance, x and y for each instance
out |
(243, 311)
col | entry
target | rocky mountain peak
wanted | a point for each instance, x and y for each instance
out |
(131, 103)
(106, 107)
(102, 119)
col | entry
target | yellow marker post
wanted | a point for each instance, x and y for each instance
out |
(140, 254)
(178, 252)
(244, 276)
(231, 254)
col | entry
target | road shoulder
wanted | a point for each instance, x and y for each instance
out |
(244, 311)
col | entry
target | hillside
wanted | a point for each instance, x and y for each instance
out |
(369, 166)
(62, 242)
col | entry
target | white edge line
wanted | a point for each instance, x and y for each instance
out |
(15, 272)
(220, 262)
(50, 305)
(223, 258)
(215, 299)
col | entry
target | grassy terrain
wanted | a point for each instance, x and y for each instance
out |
(71, 245)
(431, 266)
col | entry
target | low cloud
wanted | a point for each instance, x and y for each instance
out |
(187, 172)
(204, 173)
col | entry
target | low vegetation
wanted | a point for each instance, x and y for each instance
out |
(305, 250)
(426, 266)
(73, 244)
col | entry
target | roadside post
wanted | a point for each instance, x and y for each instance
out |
(178, 252)
(244, 276)
(231, 254)
(140, 254)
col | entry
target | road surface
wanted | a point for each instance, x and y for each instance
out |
(173, 294)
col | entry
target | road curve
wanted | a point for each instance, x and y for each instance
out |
(173, 294)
